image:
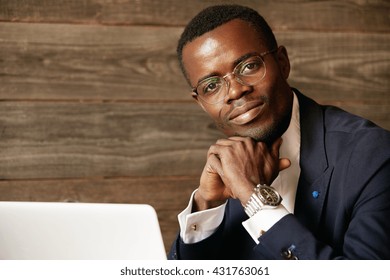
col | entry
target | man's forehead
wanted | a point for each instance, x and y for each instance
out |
(208, 45)
(224, 44)
(233, 34)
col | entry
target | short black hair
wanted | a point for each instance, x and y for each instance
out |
(215, 16)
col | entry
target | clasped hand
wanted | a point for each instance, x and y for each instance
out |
(234, 166)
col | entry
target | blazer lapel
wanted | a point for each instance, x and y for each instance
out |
(315, 172)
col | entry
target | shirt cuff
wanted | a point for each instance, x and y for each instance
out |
(195, 227)
(263, 220)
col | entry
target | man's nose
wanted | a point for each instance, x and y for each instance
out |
(235, 88)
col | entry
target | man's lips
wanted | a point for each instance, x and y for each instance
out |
(246, 112)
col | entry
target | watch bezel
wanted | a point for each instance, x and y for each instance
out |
(274, 197)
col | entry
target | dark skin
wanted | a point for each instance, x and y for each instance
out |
(252, 117)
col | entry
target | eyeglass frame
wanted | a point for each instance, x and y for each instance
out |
(261, 55)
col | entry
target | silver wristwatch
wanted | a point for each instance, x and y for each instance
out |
(263, 197)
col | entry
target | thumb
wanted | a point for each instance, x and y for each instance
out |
(283, 162)
(276, 146)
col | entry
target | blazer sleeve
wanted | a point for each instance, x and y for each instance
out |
(207, 249)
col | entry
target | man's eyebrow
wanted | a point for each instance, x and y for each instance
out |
(235, 63)
(206, 77)
(244, 57)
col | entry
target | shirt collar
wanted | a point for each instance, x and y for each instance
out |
(291, 145)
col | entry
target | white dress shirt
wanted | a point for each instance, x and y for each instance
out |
(197, 226)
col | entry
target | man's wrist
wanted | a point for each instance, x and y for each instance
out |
(262, 197)
(253, 205)
(199, 204)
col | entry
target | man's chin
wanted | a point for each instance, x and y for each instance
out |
(256, 133)
(261, 135)
(266, 134)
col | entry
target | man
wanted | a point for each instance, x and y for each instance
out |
(293, 179)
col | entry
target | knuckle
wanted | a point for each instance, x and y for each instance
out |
(249, 140)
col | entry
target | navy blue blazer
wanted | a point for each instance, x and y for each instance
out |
(342, 208)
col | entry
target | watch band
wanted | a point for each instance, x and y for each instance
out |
(257, 202)
(253, 205)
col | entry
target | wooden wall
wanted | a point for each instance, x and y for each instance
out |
(93, 107)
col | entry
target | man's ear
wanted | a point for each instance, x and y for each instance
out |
(284, 62)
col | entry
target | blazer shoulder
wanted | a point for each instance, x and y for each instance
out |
(341, 133)
(339, 120)
(363, 145)
(333, 119)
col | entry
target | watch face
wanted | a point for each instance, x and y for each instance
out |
(269, 196)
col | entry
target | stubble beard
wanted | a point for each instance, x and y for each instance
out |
(267, 134)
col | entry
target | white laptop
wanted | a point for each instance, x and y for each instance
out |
(79, 231)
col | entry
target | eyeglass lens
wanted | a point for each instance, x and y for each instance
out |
(249, 72)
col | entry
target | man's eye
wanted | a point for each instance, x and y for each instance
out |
(250, 68)
(211, 87)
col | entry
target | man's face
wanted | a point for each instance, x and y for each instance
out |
(261, 111)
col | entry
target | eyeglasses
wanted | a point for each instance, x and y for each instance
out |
(248, 72)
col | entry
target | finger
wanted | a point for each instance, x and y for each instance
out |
(276, 147)
(248, 141)
(233, 140)
(239, 138)
(214, 150)
(219, 148)
(284, 163)
(215, 164)
(224, 142)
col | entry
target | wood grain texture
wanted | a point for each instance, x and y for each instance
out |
(355, 15)
(347, 70)
(70, 140)
(168, 195)
(116, 64)
(67, 140)
(72, 62)
(139, 63)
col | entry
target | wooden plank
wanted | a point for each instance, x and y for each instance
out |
(360, 16)
(71, 140)
(67, 62)
(338, 67)
(103, 64)
(168, 195)
(349, 71)
(71, 62)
